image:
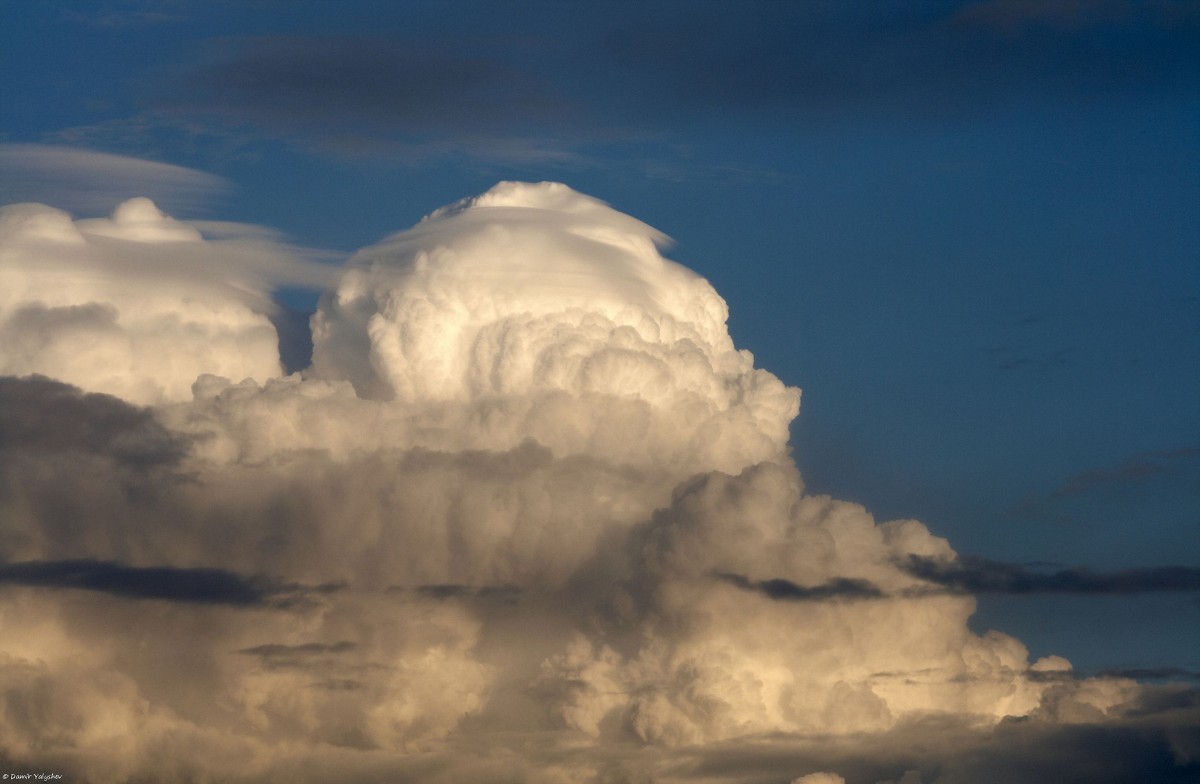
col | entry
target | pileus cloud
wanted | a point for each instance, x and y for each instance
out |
(529, 512)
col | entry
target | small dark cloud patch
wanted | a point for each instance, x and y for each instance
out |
(39, 416)
(975, 575)
(172, 584)
(1136, 468)
(315, 657)
(305, 649)
(363, 91)
(788, 591)
(508, 593)
(928, 59)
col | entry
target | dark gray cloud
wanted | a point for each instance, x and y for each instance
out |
(1153, 674)
(40, 416)
(364, 91)
(519, 82)
(905, 59)
(327, 661)
(173, 584)
(1136, 468)
(972, 574)
(976, 575)
(786, 590)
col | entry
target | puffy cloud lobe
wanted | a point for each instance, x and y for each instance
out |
(820, 778)
(553, 317)
(137, 305)
(528, 515)
(716, 661)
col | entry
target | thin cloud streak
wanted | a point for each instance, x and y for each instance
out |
(976, 575)
(172, 584)
(1136, 468)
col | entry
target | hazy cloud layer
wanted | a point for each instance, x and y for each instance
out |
(529, 515)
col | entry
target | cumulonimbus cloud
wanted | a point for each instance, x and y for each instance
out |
(529, 514)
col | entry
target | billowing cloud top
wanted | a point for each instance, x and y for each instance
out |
(553, 316)
(529, 515)
(534, 252)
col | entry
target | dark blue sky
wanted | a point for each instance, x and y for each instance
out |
(968, 231)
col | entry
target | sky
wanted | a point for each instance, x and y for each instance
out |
(958, 239)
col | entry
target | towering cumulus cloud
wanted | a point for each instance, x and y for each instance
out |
(529, 516)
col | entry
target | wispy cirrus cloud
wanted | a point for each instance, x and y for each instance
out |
(1134, 469)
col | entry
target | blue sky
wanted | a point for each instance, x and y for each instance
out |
(966, 230)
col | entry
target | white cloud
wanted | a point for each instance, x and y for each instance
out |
(820, 778)
(138, 305)
(536, 512)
